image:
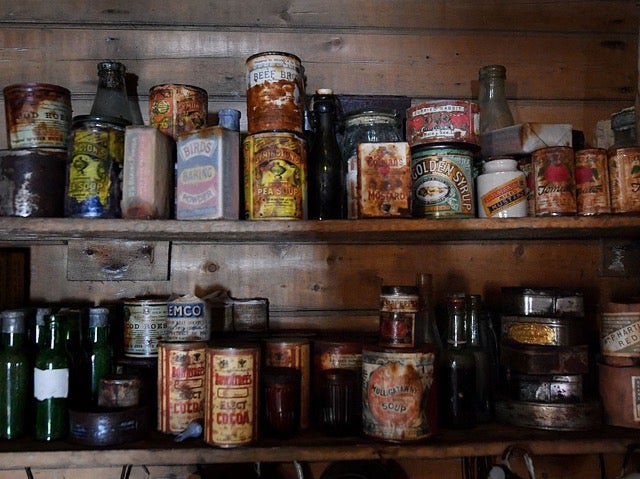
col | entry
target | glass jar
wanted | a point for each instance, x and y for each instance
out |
(365, 126)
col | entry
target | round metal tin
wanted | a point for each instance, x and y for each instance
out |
(556, 417)
(542, 331)
(145, 324)
(619, 389)
(443, 121)
(592, 182)
(547, 302)
(624, 176)
(555, 187)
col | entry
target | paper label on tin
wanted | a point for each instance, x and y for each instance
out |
(532, 333)
(624, 177)
(271, 69)
(43, 124)
(341, 361)
(144, 326)
(50, 383)
(187, 320)
(621, 333)
(89, 170)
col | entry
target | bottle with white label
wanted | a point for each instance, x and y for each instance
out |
(502, 190)
(51, 382)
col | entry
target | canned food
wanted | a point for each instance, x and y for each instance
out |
(188, 319)
(556, 302)
(275, 176)
(175, 109)
(592, 181)
(38, 115)
(251, 315)
(181, 390)
(398, 308)
(275, 92)
(117, 391)
(145, 324)
(624, 178)
(443, 121)
(232, 392)
(442, 181)
(555, 187)
(542, 331)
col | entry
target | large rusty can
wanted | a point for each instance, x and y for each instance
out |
(176, 109)
(624, 178)
(620, 334)
(232, 392)
(38, 115)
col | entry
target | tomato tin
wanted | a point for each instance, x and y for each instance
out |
(592, 181)
(624, 178)
(555, 187)
(181, 379)
(442, 181)
(232, 395)
(398, 309)
(443, 121)
(177, 109)
(145, 323)
(275, 169)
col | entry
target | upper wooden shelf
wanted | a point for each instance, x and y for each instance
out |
(34, 230)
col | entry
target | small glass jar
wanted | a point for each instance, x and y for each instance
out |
(365, 126)
(399, 307)
(502, 190)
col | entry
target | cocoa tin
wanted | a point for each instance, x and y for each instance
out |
(581, 416)
(275, 92)
(443, 121)
(550, 302)
(181, 385)
(442, 181)
(555, 187)
(32, 182)
(592, 181)
(384, 180)
(398, 309)
(542, 331)
(38, 115)
(398, 400)
(145, 324)
(619, 388)
(175, 108)
(624, 178)
(188, 319)
(275, 169)
(293, 352)
(232, 395)
(535, 359)
(620, 334)
(546, 388)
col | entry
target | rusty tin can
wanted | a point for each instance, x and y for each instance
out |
(119, 390)
(145, 324)
(624, 179)
(619, 388)
(620, 334)
(555, 186)
(250, 315)
(295, 353)
(38, 115)
(181, 385)
(542, 331)
(275, 176)
(592, 181)
(232, 395)
(399, 306)
(275, 92)
(442, 181)
(175, 109)
(398, 400)
(32, 182)
(443, 121)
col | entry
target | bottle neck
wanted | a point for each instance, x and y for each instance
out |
(13, 340)
(457, 336)
(492, 88)
(53, 337)
(473, 324)
(97, 335)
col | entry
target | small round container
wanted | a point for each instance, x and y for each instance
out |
(118, 391)
(398, 308)
(443, 121)
(623, 178)
(502, 190)
(340, 394)
(145, 324)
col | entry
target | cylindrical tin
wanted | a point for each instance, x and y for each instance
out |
(581, 416)
(119, 391)
(177, 109)
(94, 170)
(546, 388)
(542, 331)
(32, 182)
(398, 401)
(442, 181)
(592, 181)
(145, 324)
(293, 353)
(38, 115)
(619, 389)
(275, 176)
(108, 428)
(398, 309)
(534, 359)
(526, 166)
(443, 121)
(623, 178)
(549, 302)
(620, 334)
(275, 92)
(251, 315)
(188, 319)
(181, 385)
(555, 186)
(232, 392)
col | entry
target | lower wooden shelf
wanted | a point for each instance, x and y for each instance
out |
(310, 446)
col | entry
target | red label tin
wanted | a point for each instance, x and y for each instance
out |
(555, 188)
(624, 177)
(592, 181)
(443, 121)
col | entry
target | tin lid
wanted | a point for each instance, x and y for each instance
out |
(273, 53)
(369, 116)
(32, 86)
(109, 120)
(387, 290)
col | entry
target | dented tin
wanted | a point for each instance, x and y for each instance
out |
(546, 388)
(38, 115)
(592, 181)
(624, 178)
(542, 331)
(176, 109)
(555, 186)
(443, 121)
(556, 302)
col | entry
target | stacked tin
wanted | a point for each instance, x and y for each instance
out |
(545, 359)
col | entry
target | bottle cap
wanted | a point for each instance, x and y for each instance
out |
(324, 91)
(229, 119)
(110, 65)
(98, 317)
(493, 71)
(13, 321)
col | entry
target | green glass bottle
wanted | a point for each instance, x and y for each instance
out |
(98, 349)
(78, 362)
(51, 382)
(15, 373)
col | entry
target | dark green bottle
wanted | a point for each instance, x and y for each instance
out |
(51, 382)
(15, 373)
(78, 362)
(99, 351)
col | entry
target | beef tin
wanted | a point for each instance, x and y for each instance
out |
(275, 92)
(384, 180)
(145, 324)
(624, 179)
(555, 187)
(94, 169)
(546, 388)
(275, 176)
(542, 331)
(443, 121)
(619, 388)
(32, 182)
(38, 115)
(535, 359)
(181, 385)
(208, 174)
(399, 306)
(550, 302)
(176, 109)
(620, 334)
(582, 416)
(592, 182)
(188, 319)
(232, 395)
(398, 400)
(442, 181)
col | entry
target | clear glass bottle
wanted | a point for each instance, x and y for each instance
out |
(111, 98)
(98, 349)
(492, 99)
(426, 326)
(326, 172)
(479, 347)
(14, 375)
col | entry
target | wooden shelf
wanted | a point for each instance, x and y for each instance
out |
(395, 231)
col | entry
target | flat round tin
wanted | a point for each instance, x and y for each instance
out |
(108, 427)
(556, 417)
